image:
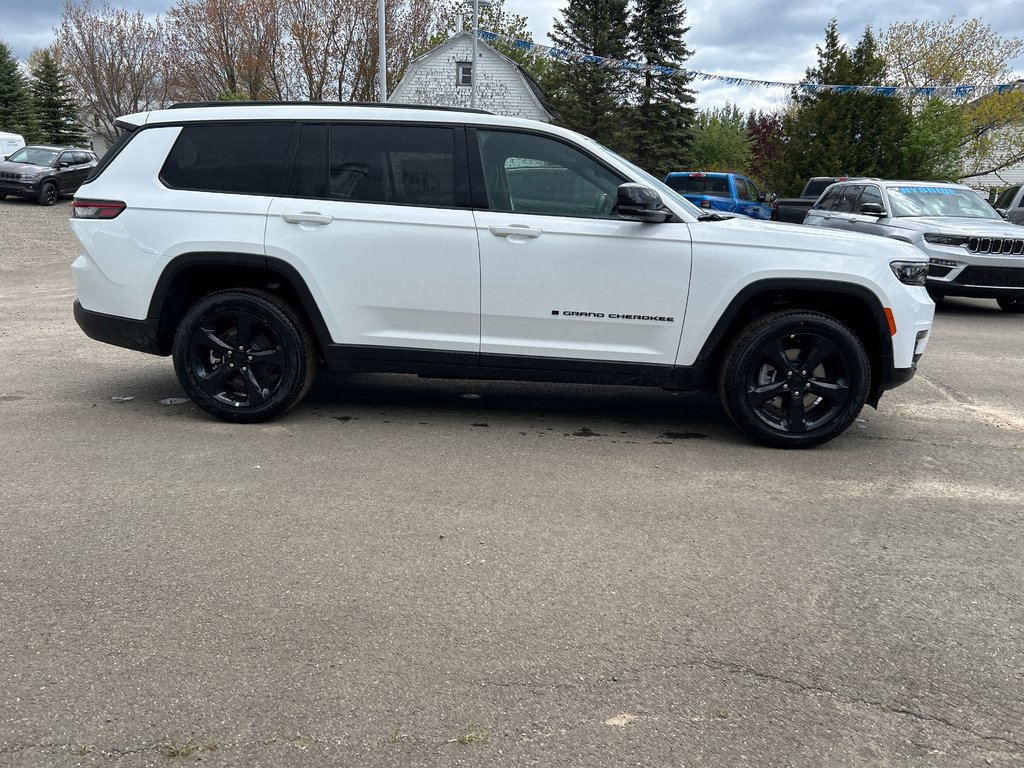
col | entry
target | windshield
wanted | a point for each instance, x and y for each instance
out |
(914, 200)
(34, 156)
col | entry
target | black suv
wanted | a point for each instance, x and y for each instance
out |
(44, 173)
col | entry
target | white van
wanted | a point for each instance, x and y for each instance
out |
(10, 143)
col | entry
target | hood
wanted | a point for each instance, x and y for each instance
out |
(774, 235)
(7, 165)
(956, 225)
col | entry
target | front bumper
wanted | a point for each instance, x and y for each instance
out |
(19, 188)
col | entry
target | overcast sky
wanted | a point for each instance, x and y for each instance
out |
(756, 39)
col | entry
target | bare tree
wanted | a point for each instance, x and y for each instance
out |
(115, 60)
(226, 48)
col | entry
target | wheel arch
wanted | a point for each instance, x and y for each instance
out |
(856, 306)
(191, 276)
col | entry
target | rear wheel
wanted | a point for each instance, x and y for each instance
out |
(1011, 305)
(794, 379)
(244, 356)
(47, 193)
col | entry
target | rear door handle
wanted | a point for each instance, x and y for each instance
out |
(307, 217)
(516, 230)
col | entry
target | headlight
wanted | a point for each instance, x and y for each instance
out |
(910, 272)
(936, 239)
(31, 175)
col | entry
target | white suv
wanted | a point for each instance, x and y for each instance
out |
(254, 242)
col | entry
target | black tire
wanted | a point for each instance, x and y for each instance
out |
(244, 355)
(785, 352)
(1011, 305)
(48, 193)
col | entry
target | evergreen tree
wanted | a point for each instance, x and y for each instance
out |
(590, 98)
(842, 133)
(663, 113)
(721, 141)
(55, 110)
(15, 99)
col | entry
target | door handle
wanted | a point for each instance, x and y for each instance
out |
(307, 217)
(516, 230)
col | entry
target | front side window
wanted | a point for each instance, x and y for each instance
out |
(872, 194)
(528, 173)
(1006, 199)
(241, 158)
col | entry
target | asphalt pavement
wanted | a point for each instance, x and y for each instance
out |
(411, 572)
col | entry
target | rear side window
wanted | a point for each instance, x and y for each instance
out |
(829, 199)
(392, 164)
(240, 158)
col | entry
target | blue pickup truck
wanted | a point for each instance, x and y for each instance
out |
(729, 192)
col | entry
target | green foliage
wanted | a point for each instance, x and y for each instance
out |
(661, 113)
(721, 141)
(55, 110)
(591, 99)
(16, 114)
(836, 134)
(932, 147)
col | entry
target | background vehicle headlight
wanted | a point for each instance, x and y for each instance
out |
(936, 239)
(31, 175)
(910, 272)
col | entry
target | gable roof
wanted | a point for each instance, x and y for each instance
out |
(533, 89)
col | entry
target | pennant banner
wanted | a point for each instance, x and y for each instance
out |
(947, 92)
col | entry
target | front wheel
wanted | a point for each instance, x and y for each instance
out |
(48, 193)
(244, 356)
(1011, 305)
(794, 379)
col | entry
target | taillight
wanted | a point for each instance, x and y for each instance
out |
(705, 203)
(96, 209)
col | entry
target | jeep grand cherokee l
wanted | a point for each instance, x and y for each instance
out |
(255, 242)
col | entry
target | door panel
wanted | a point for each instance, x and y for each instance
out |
(561, 275)
(374, 227)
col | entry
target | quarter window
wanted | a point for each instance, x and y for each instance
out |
(535, 174)
(241, 158)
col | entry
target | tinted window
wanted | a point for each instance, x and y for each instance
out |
(872, 194)
(535, 174)
(700, 185)
(402, 164)
(848, 195)
(828, 200)
(240, 157)
(309, 171)
(1006, 199)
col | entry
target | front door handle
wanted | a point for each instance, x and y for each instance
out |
(516, 230)
(307, 217)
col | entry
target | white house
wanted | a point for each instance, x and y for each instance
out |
(443, 77)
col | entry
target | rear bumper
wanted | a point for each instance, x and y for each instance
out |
(140, 335)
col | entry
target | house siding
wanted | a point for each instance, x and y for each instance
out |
(433, 79)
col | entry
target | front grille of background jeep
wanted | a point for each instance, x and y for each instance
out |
(1010, 245)
(992, 277)
(8, 176)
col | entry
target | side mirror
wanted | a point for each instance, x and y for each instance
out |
(768, 197)
(872, 209)
(64, 164)
(635, 202)
(1003, 212)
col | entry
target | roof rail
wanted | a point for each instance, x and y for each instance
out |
(187, 104)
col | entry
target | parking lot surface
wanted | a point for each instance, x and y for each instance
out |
(413, 572)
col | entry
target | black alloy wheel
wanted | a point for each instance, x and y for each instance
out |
(794, 379)
(244, 355)
(48, 193)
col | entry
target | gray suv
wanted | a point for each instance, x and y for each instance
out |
(971, 250)
(45, 173)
